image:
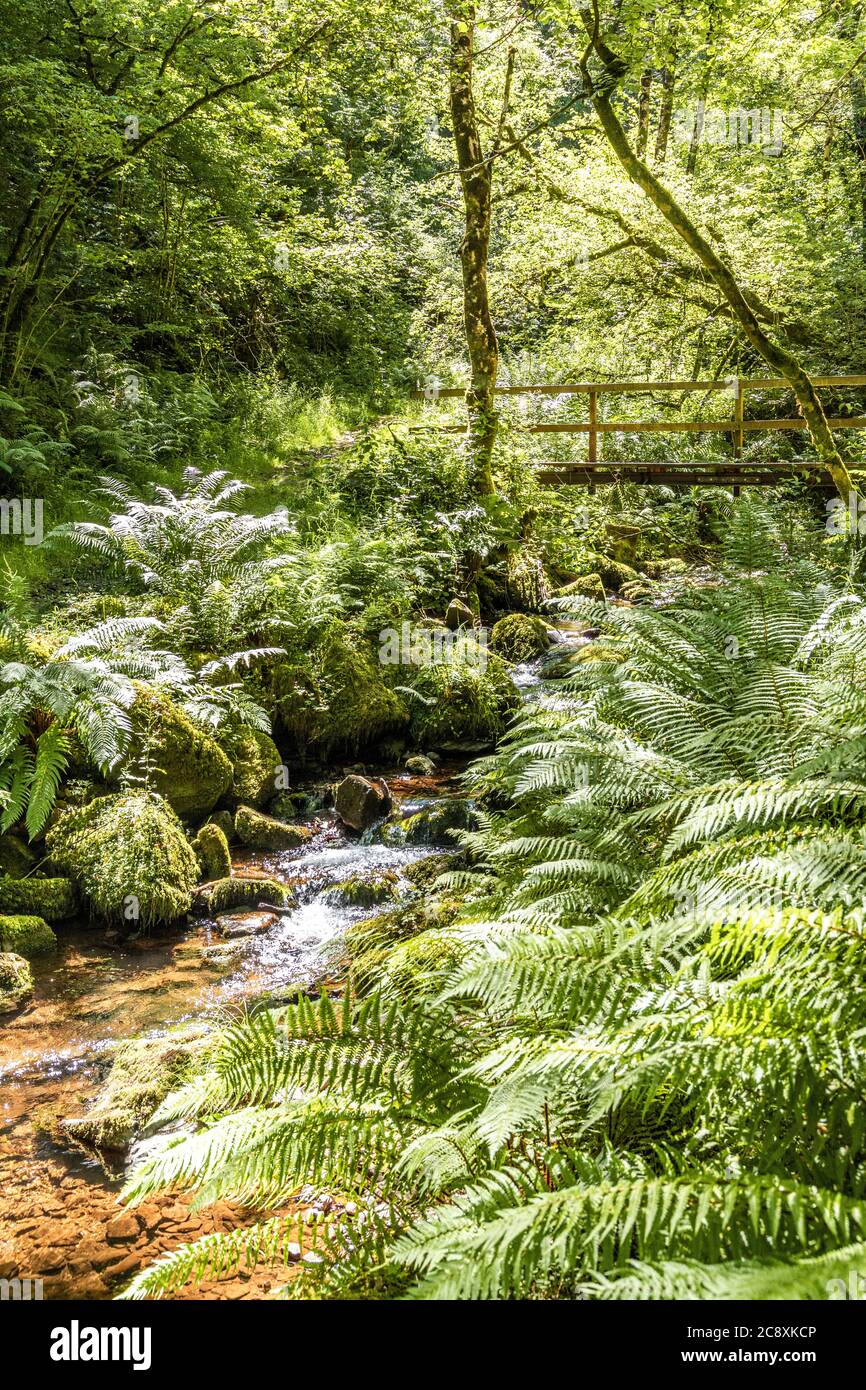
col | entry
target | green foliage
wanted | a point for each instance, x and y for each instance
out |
(461, 699)
(630, 1068)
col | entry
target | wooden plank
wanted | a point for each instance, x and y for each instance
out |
(636, 387)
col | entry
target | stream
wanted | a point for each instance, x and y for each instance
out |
(60, 1221)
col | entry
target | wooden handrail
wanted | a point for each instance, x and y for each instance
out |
(627, 388)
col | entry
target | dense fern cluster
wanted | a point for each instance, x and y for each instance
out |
(643, 1077)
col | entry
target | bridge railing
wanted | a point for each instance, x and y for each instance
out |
(737, 426)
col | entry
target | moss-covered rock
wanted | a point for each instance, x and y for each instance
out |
(420, 764)
(129, 857)
(54, 899)
(585, 586)
(16, 858)
(519, 637)
(431, 826)
(226, 822)
(226, 893)
(193, 773)
(337, 698)
(358, 891)
(16, 981)
(461, 701)
(212, 852)
(142, 1075)
(264, 832)
(256, 765)
(26, 936)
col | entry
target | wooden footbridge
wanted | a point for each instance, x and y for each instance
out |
(734, 471)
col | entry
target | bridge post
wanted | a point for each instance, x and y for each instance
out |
(592, 437)
(738, 424)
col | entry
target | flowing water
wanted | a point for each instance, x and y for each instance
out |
(59, 1214)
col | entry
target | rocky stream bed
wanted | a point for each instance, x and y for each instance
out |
(60, 1219)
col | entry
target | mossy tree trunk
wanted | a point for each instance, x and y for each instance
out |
(476, 175)
(783, 363)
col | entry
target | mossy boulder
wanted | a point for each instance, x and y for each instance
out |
(359, 891)
(16, 981)
(337, 698)
(193, 773)
(53, 899)
(265, 832)
(585, 586)
(212, 852)
(519, 637)
(129, 856)
(431, 826)
(26, 936)
(256, 766)
(16, 858)
(226, 822)
(226, 893)
(142, 1075)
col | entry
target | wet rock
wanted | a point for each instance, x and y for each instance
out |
(246, 923)
(420, 764)
(368, 891)
(53, 899)
(211, 849)
(16, 981)
(458, 614)
(129, 856)
(432, 825)
(124, 1227)
(264, 832)
(256, 767)
(143, 1073)
(26, 936)
(225, 893)
(360, 803)
(226, 955)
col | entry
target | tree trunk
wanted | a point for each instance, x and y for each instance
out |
(783, 363)
(666, 111)
(643, 111)
(475, 178)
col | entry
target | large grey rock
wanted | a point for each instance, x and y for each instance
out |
(360, 803)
